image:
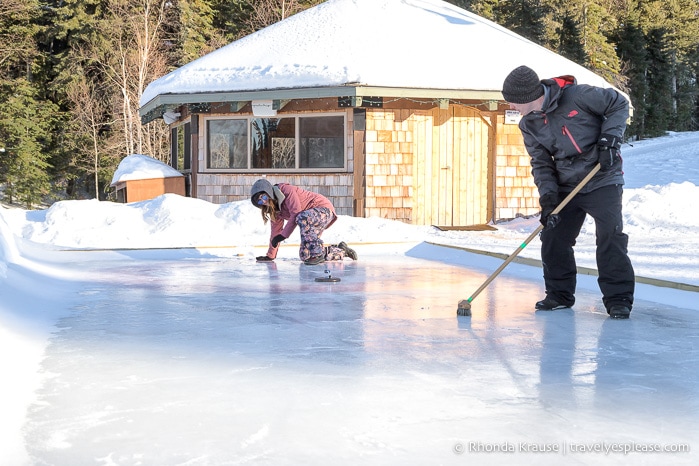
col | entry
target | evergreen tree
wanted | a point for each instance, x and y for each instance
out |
(659, 75)
(26, 125)
(682, 26)
(569, 39)
(231, 17)
(188, 26)
(634, 59)
(26, 118)
(671, 28)
(525, 17)
(598, 26)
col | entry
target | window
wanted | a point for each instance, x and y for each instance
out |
(227, 143)
(308, 143)
(273, 142)
(180, 152)
(322, 142)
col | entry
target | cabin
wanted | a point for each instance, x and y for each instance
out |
(390, 109)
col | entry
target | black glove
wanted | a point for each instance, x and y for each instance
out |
(277, 239)
(608, 148)
(263, 259)
(548, 203)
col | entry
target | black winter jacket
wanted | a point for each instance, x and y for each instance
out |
(562, 138)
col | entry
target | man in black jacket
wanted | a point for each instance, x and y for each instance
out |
(568, 128)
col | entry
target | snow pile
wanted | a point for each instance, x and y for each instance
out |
(668, 211)
(173, 221)
(8, 248)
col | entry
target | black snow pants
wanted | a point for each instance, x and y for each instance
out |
(616, 276)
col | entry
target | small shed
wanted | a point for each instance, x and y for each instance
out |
(140, 177)
(390, 108)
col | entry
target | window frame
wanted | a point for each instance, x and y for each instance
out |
(297, 143)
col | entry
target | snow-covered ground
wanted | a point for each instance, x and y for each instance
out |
(193, 353)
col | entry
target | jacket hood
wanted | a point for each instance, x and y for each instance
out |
(553, 88)
(261, 186)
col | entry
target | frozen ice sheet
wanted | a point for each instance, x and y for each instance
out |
(211, 361)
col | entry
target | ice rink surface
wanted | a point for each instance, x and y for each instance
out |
(222, 361)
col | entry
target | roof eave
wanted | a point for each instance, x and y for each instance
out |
(163, 102)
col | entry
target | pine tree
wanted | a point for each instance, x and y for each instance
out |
(230, 18)
(659, 76)
(569, 39)
(670, 28)
(25, 129)
(26, 118)
(682, 26)
(525, 17)
(188, 26)
(598, 25)
(632, 53)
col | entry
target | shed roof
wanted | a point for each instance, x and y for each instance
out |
(363, 47)
(142, 167)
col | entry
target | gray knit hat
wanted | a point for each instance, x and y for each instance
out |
(261, 186)
(522, 86)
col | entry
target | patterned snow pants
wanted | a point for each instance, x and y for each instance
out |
(312, 223)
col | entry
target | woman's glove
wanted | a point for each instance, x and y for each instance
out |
(277, 239)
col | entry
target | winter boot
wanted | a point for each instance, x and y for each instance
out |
(550, 304)
(619, 311)
(314, 260)
(349, 252)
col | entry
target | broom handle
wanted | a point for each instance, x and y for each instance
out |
(558, 208)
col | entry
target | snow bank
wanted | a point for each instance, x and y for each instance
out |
(8, 247)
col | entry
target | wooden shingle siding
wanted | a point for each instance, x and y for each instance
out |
(388, 164)
(221, 189)
(516, 193)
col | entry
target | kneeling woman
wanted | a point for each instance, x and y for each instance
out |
(312, 212)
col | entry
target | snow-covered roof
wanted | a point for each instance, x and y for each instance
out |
(404, 44)
(142, 167)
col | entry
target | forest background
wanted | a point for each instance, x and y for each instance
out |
(72, 72)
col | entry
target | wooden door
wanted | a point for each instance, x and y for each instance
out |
(451, 169)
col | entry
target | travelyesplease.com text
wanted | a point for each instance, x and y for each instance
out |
(606, 448)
